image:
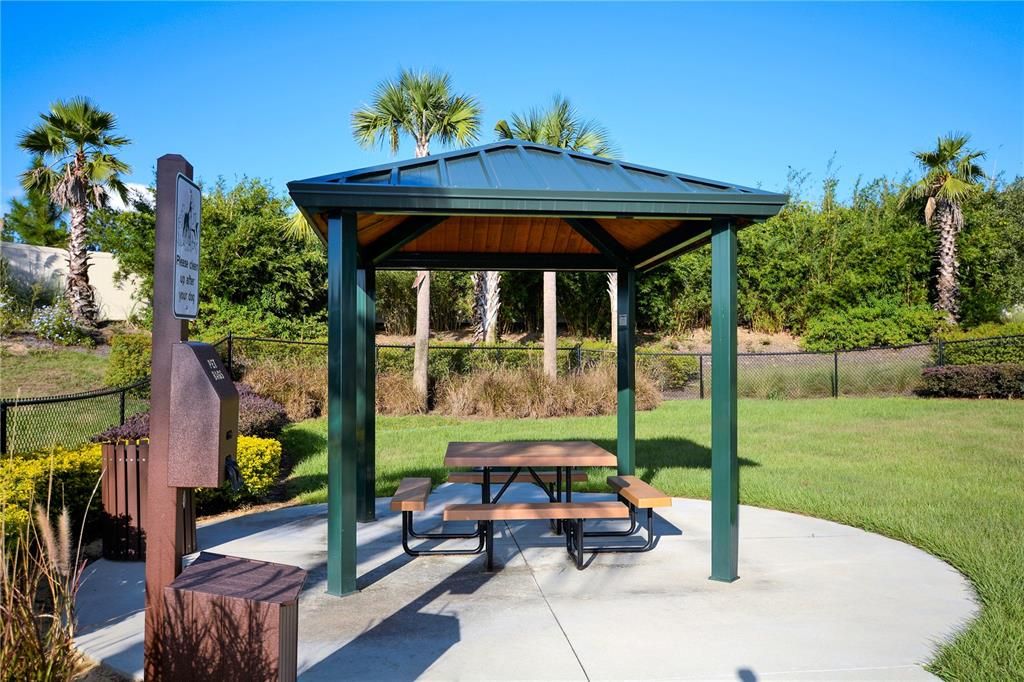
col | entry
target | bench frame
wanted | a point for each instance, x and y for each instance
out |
(627, 549)
(408, 531)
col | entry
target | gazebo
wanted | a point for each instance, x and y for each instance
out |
(515, 205)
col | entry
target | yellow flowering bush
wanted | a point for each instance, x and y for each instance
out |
(259, 461)
(26, 477)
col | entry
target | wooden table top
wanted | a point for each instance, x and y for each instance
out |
(532, 453)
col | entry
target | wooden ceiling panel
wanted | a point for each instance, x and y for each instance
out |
(508, 234)
(371, 226)
(499, 234)
(634, 234)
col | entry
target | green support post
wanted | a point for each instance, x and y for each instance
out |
(342, 418)
(725, 485)
(366, 478)
(626, 330)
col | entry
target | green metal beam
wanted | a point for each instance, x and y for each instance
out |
(672, 244)
(626, 406)
(432, 260)
(400, 235)
(342, 419)
(591, 230)
(365, 395)
(725, 481)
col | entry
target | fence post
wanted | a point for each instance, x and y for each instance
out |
(701, 358)
(942, 353)
(3, 428)
(122, 395)
(835, 374)
(231, 345)
(578, 350)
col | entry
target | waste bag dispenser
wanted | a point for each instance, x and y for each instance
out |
(204, 418)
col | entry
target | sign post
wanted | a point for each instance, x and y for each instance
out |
(175, 299)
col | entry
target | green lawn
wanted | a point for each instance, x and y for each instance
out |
(50, 371)
(946, 476)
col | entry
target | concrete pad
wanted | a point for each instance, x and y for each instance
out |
(815, 600)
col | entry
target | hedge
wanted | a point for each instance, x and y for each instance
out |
(1005, 380)
(259, 460)
(866, 326)
(984, 345)
(130, 359)
(24, 478)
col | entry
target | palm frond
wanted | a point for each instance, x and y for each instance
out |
(383, 119)
(560, 125)
(296, 228)
(503, 130)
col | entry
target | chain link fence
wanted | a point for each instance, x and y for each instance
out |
(31, 424)
(37, 423)
(881, 371)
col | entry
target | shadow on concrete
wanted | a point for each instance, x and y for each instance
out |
(406, 643)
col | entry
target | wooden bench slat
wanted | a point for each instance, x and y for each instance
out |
(499, 477)
(411, 495)
(528, 511)
(639, 493)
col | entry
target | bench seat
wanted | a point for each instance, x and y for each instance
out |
(501, 477)
(529, 511)
(411, 495)
(639, 494)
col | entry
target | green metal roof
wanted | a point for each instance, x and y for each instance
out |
(600, 199)
(513, 176)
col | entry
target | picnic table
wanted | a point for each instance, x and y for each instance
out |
(562, 456)
(551, 466)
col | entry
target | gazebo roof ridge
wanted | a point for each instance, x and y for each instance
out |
(392, 173)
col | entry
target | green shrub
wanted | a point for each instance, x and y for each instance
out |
(489, 357)
(130, 359)
(217, 317)
(880, 324)
(259, 461)
(11, 318)
(1004, 380)
(24, 478)
(394, 361)
(968, 348)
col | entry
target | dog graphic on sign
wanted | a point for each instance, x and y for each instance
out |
(190, 227)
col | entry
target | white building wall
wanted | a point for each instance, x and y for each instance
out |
(47, 265)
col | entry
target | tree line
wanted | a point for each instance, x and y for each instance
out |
(950, 239)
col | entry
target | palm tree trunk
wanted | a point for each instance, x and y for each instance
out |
(613, 299)
(486, 302)
(949, 220)
(550, 324)
(80, 295)
(420, 352)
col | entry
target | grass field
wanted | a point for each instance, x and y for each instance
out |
(50, 371)
(946, 476)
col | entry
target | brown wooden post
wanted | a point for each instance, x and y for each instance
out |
(162, 520)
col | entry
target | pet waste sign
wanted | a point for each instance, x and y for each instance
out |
(188, 208)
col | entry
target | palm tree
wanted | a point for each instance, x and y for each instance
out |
(951, 175)
(558, 126)
(73, 163)
(419, 104)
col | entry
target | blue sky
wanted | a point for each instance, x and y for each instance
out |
(735, 92)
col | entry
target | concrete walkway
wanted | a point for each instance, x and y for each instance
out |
(816, 600)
